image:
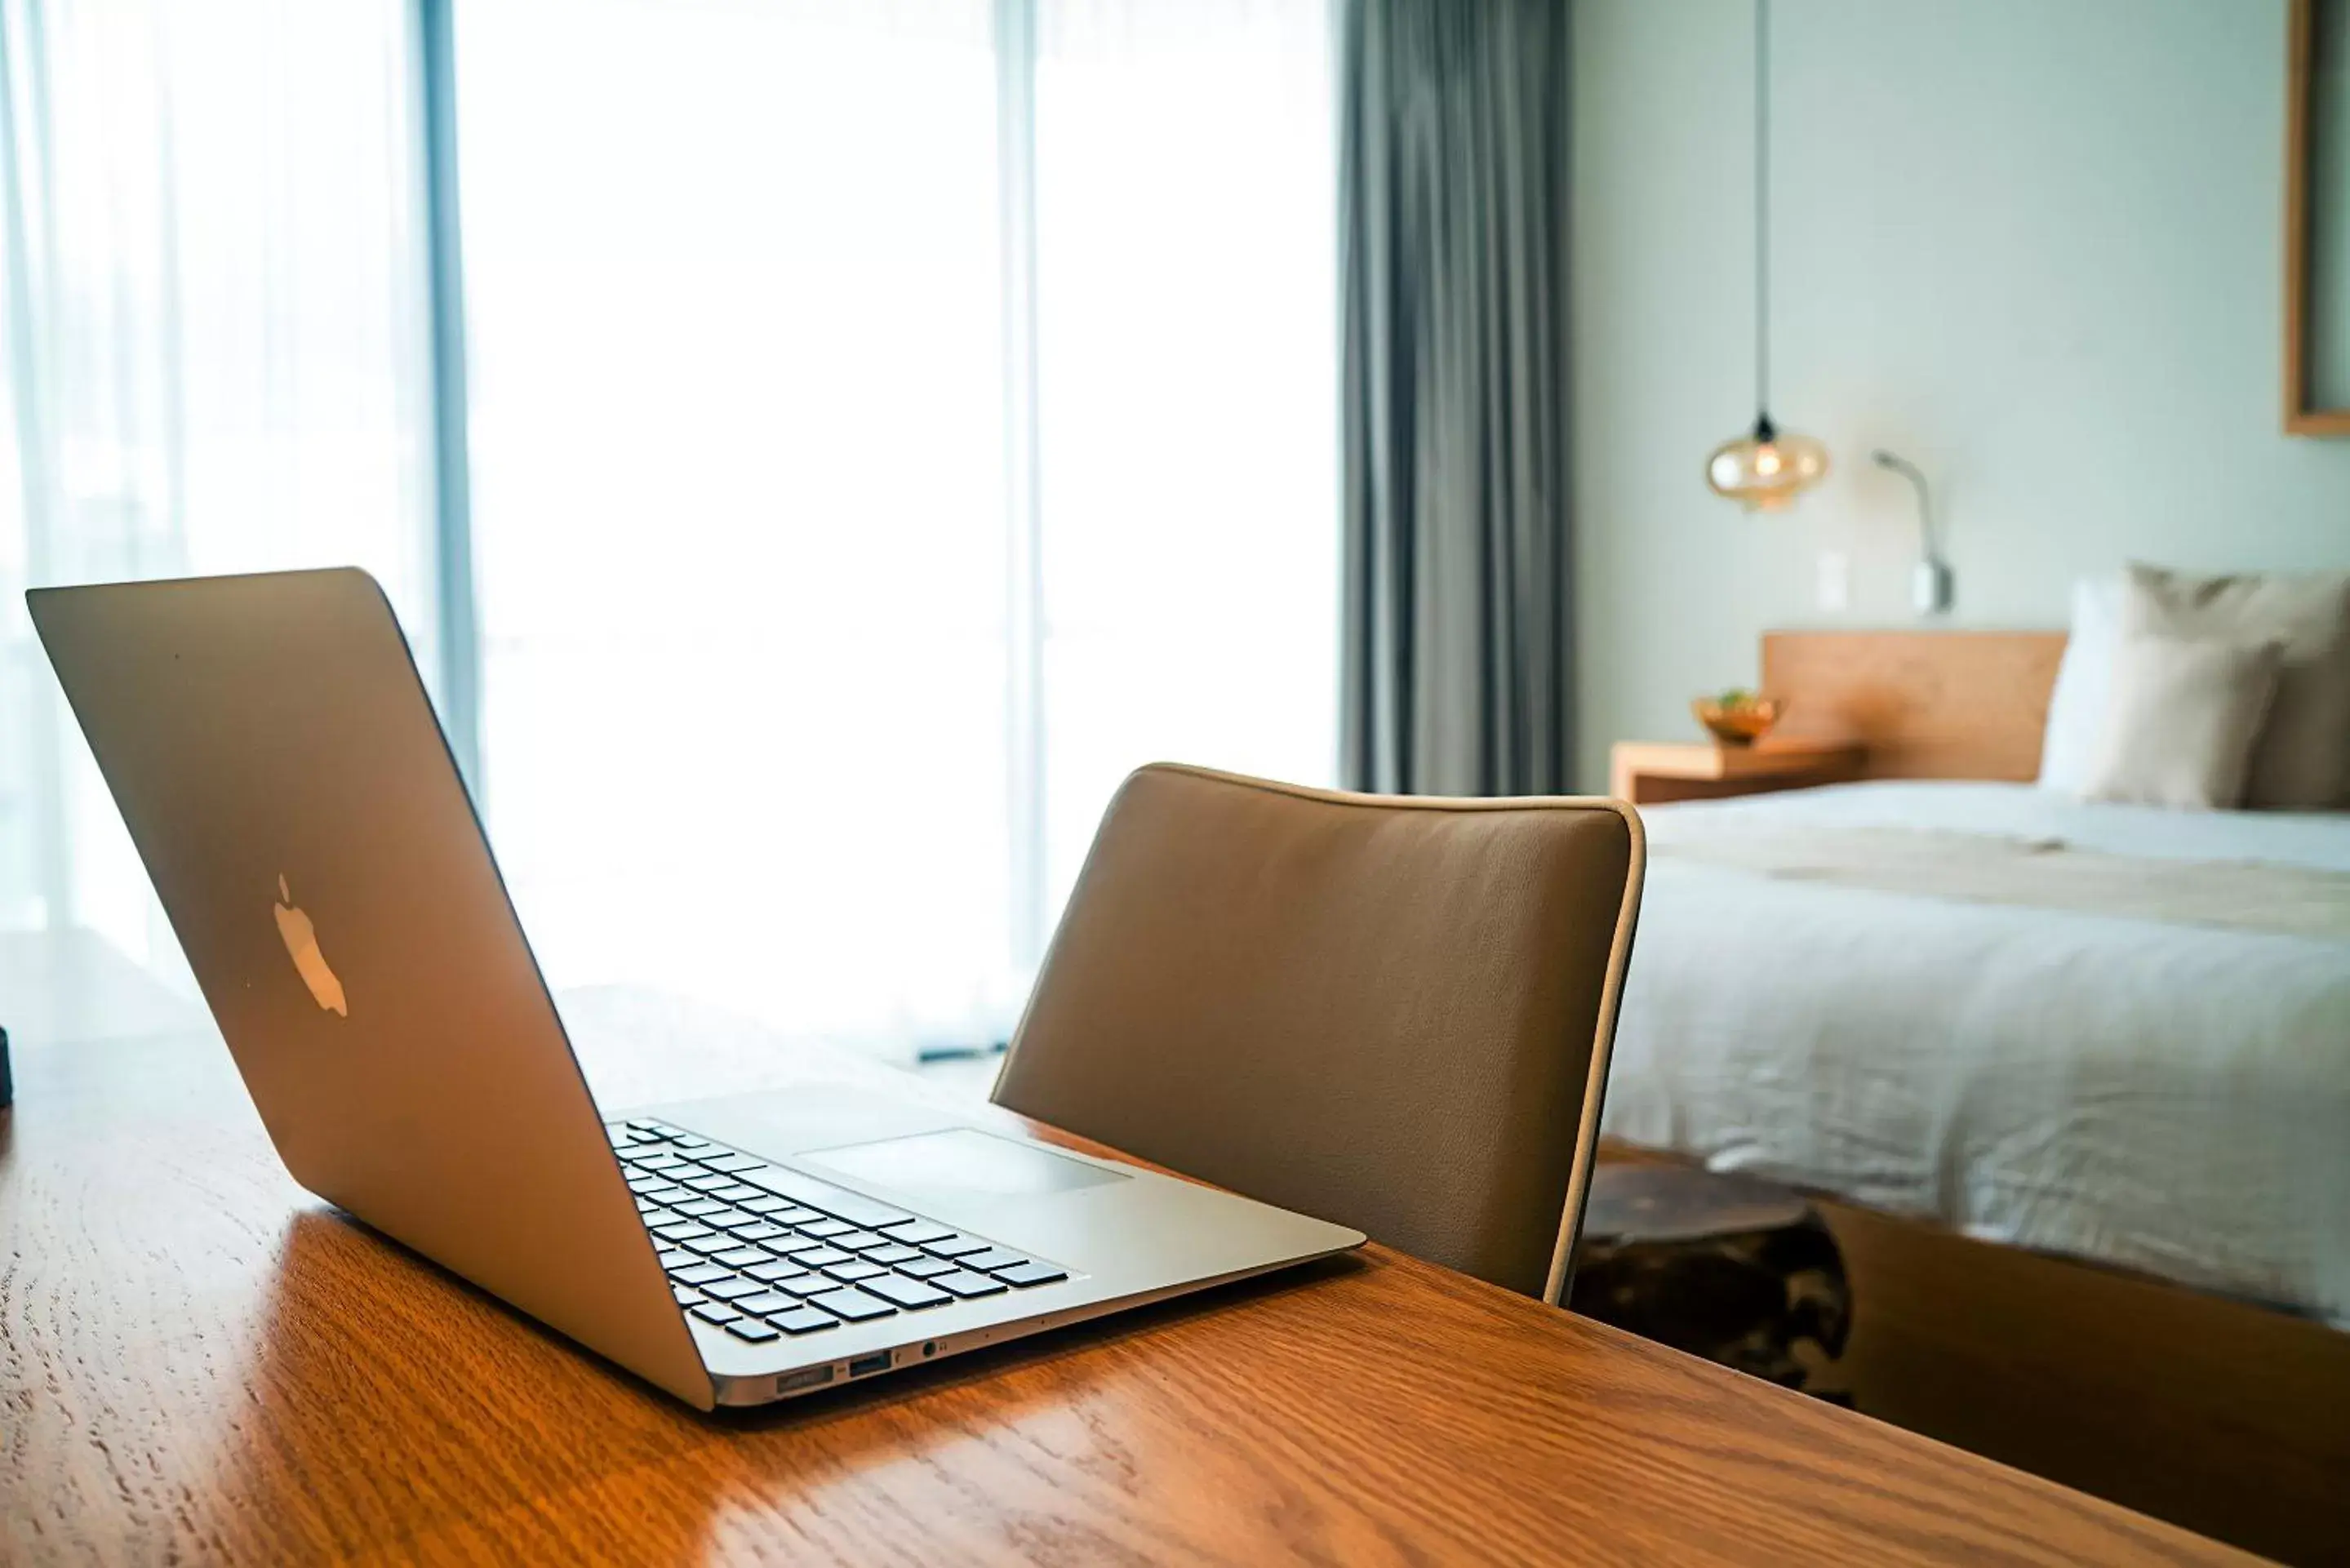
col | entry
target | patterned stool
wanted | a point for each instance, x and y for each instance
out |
(1734, 1270)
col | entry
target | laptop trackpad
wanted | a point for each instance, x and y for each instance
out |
(938, 1168)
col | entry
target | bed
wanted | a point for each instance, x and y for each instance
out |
(2072, 1083)
(2112, 1033)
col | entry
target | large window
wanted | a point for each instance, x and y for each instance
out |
(732, 291)
(775, 639)
(890, 421)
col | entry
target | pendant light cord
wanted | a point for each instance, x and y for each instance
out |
(1762, 209)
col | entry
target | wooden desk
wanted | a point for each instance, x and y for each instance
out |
(196, 1361)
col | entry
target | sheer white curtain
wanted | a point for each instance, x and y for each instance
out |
(732, 291)
(213, 355)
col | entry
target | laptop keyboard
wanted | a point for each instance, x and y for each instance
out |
(766, 1253)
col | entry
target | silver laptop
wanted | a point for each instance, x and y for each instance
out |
(286, 782)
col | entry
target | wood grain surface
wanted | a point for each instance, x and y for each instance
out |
(1926, 704)
(199, 1363)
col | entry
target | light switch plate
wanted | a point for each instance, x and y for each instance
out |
(1834, 588)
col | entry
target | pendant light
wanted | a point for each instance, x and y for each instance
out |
(1768, 468)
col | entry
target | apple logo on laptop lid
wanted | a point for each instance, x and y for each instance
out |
(301, 939)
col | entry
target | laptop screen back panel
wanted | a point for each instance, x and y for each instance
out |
(282, 773)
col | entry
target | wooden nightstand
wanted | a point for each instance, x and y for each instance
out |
(1651, 773)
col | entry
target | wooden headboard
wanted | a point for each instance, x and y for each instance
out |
(1927, 704)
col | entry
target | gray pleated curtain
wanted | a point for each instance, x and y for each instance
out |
(1454, 217)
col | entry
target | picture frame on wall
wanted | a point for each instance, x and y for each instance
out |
(2317, 219)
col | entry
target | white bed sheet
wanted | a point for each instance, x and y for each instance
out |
(2167, 1097)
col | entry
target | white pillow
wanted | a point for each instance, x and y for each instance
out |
(2186, 712)
(2302, 760)
(2084, 684)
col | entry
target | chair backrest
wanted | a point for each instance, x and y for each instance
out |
(1391, 1013)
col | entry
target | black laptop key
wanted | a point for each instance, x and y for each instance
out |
(743, 1257)
(714, 1312)
(952, 1245)
(964, 1283)
(698, 1274)
(854, 1305)
(808, 1320)
(910, 1294)
(993, 1259)
(1032, 1275)
(915, 1232)
(821, 1258)
(752, 1329)
(727, 1290)
(924, 1268)
(890, 1252)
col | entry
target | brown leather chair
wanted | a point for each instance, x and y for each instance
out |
(1388, 1012)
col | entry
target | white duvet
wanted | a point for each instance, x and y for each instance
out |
(2166, 1095)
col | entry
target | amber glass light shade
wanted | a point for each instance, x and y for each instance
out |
(1766, 468)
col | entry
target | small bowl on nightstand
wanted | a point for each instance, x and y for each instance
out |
(1737, 718)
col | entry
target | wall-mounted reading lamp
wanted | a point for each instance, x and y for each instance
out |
(1930, 585)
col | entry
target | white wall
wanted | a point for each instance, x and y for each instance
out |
(2032, 245)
